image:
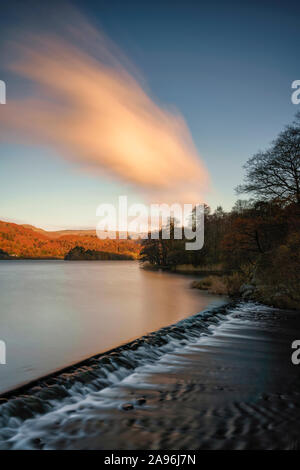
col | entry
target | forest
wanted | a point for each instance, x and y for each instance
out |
(23, 242)
(254, 248)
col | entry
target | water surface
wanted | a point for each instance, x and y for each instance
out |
(221, 379)
(56, 313)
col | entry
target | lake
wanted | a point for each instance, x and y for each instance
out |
(56, 313)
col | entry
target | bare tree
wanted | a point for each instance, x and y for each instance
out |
(275, 173)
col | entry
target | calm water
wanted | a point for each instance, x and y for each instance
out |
(56, 313)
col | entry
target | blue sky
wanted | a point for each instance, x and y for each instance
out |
(226, 66)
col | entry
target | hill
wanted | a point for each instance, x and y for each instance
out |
(26, 241)
(60, 233)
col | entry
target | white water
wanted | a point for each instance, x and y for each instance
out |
(24, 419)
(56, 313)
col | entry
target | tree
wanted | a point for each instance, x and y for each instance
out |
(161, 251)
(275, 173)
(241, 206)
(3, 254)
(151, 252)
(254, 231)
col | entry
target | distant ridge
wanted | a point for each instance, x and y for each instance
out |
(65, 232)
(27, 241)
(60, 233)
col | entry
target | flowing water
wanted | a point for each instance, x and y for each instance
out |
(219, 379)
(55, 313)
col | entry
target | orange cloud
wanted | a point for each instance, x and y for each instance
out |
(89, 107)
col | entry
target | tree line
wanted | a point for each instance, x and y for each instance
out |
(259, 239)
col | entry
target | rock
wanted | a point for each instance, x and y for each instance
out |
(141, 401)
(127, 406)
(247, 291)
(248, 294)
(194, 284)
(246, 287)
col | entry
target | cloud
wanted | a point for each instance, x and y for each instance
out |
(88, 104)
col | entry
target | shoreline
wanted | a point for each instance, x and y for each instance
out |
(266, 295)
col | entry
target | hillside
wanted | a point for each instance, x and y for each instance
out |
(60, 233)
(30, 242)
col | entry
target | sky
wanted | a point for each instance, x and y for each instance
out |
(209, 84)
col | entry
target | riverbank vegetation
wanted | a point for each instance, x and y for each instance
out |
(78, 253)
(257, 243)
(4, 255)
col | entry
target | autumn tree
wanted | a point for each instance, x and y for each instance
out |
(164, 248)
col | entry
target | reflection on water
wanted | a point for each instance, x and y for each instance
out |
(55, 313)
